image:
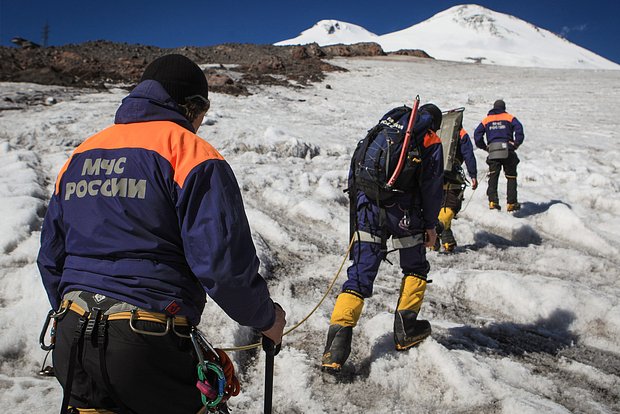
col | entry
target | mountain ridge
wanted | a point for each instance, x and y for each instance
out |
(469, 32)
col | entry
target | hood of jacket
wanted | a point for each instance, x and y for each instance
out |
(149, 101)
(496, 112)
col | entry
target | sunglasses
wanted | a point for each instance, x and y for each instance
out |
(205, 101)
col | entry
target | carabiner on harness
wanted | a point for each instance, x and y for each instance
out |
(134, 316)
(211, 394)
(47, 370)
(52, 314)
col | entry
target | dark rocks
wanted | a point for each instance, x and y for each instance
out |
(219, 79)
(268, 64)
(94, 64)
(358, 49)
(299, 52)
(412, 52)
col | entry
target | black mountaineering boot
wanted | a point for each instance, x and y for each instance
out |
(513, 206)
(337, 349)
(408, 331)
(447, 240)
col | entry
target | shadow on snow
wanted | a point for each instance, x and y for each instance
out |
(547, 335)
(522, 236)
(531, 209)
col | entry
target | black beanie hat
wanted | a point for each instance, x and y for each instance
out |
(179, 76)
(499, 104)
(435, 112)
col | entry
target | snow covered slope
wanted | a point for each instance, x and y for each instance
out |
(332, 32)
(525, 314)
(470, 33)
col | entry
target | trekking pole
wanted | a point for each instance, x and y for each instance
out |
(403, 152)
(271, 350)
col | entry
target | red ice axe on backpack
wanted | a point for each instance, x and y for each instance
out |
(403, 152)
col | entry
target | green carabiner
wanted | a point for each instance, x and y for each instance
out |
(203, 368)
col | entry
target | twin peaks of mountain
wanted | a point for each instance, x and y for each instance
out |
(467, 33)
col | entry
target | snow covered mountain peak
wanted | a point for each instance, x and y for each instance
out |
(474, 33)
(483, 21)
(468, 33)
(333, 26)
(331, 32)
(475, 17)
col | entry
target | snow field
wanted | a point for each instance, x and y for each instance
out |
(525, 314)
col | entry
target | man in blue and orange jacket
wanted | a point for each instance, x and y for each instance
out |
(146, 216)
(504, 135)
(454, 187)
(410, 219)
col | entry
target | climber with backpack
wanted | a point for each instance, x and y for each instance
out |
(457, 149)
(395, 191)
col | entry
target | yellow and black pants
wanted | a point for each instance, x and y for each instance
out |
(510, 171)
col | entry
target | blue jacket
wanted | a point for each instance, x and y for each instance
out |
(465, 152)
(499, 126)
(148, 213)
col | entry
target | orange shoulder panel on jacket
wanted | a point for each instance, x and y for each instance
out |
(182, 148)
(431, 138)
(505, 116)
(463, 132)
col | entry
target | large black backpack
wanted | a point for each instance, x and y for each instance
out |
(376, 156)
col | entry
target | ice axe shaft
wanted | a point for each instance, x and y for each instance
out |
(403, 152)
(271, 350)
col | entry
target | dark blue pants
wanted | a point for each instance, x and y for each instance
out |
(367, 256)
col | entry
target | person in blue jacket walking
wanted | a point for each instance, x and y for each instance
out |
(409, 218)
(504, 135)
(454, 187)
(146, 219)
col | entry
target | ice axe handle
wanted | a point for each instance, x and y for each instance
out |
(270, 348)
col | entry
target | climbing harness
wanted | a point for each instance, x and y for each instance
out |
(93, 324)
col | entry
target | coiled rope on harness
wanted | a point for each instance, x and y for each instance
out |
(298, 324)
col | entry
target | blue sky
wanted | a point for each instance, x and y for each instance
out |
(593, 25)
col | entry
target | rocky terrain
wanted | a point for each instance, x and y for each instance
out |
(230, 68)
